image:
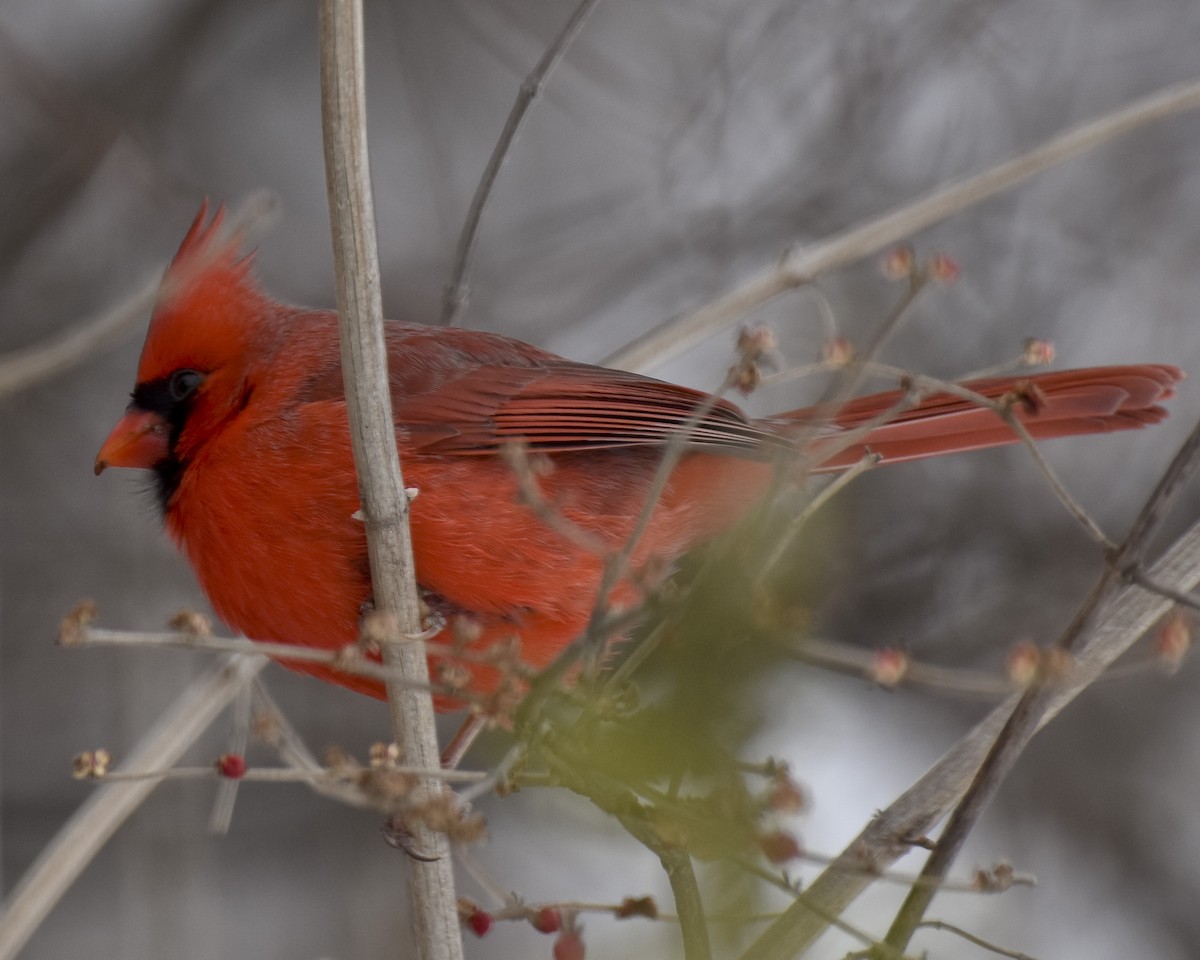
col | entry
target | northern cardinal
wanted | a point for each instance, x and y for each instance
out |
(239, 411)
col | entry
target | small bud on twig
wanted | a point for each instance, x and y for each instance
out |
(232, 766)
(898, 262)
(1037, 352)
(1024, 662)
(191, 622)
(779, 846)
(944, 268)
(637, 907)
(838, 352)
(889, 666)
(547, 920)
(1173, 640)
(73, 629)
(91, 764)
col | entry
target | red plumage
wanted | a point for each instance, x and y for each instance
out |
(239, 408)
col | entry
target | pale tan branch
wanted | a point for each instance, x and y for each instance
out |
(1127, 615)
(373, 439)
(83, 836)
(802, 264)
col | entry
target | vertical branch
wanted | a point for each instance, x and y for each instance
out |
(372, 434)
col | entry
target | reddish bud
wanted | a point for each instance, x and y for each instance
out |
(779, 847)
(786, 796)
(1037, 353)
(569, 945)
(232, 766)
(898, 262)
(1024, 661)
(944, 268)
(1173, 640)
(480, 923)
(889, 666)
(547, 920)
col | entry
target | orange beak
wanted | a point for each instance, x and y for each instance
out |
(138, 440)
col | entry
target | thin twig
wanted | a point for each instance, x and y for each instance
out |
(458, 290)
(284, 774)
(1128, 615)
(972, 938)
(615, 799)
(799, 266)
(373, 438)
(796, 524)
(348, 659)
(222, 811)
(1026, 716)
(94, 823)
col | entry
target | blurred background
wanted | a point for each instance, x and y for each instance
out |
(679, 147)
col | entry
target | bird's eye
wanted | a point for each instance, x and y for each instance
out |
(183, 384)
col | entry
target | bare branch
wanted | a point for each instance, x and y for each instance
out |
(83, 836)
(373, 438)
(799, 266)
(1126, 616)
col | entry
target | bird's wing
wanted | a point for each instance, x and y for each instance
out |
(469, 393)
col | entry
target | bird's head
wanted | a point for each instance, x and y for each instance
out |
(195, 371)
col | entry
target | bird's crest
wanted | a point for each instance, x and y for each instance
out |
(209, 301)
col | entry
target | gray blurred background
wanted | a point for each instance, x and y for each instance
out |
(679, 147)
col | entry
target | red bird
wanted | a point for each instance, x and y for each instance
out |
(239, 410)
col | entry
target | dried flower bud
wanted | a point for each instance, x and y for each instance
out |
(378, 629)
(838, 352)
(385, 787)
(996, 879)
(944, 268)
(232, 766)
(779, 846)
(452, 674)
(265, 726)
(746, 377)
(637, 907)
(91, 764)
(1173, 640)
(755, 342)
(192, 623)
(1037, 352)
(898, 262)
(384, 755)
(73, 629)
(889, 666)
